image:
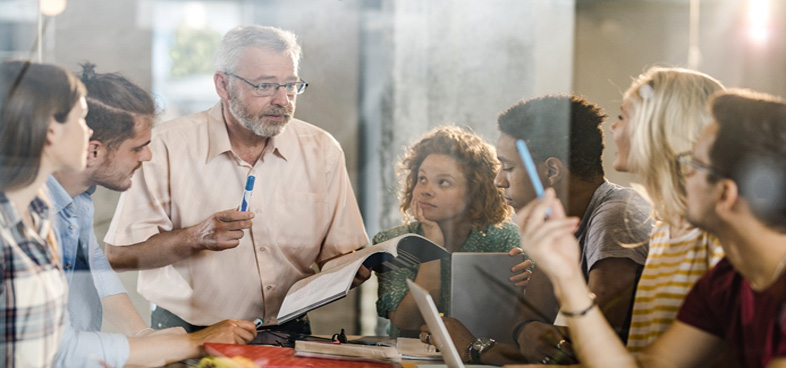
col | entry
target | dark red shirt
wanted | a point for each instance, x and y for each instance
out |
(753, 324)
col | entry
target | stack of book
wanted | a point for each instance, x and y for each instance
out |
(327, 350)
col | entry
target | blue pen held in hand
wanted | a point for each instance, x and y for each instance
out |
(532, 172)
(247, 193)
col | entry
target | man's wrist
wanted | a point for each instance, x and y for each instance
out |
(478, 347)
(193, 238)
(519, 329)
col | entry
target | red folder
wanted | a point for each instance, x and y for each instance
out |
(277, 357)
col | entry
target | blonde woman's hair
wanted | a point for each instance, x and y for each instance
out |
(669, 112)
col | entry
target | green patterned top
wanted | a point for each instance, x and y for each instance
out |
(393, 285)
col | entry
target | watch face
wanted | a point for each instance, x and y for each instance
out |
(482, 343)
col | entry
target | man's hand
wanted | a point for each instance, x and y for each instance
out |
(222, 230)
(521, 270)
(227, 331)
(361, 277)
(460, 334)
(544, 343)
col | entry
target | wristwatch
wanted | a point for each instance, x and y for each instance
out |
(478, 347)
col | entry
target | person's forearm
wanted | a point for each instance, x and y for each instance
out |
(157, 251)
(160, 350)
(613, 281)
(407, 316)
(120, 312)
(499, 354)
(594, 341)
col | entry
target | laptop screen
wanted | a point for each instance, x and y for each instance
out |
(439, 333)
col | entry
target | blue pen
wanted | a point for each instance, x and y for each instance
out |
(247, 193)
(532, 172)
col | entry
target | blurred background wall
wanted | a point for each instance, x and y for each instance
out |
(383, 72)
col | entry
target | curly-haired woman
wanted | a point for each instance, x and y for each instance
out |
(448, 187)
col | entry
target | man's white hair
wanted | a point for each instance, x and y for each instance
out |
(269, 38)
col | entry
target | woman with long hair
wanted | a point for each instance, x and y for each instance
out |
(42, 130)
(662, 115)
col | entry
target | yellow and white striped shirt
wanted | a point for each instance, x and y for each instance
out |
(671, 269)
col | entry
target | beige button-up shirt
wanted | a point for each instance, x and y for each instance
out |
(305, 212)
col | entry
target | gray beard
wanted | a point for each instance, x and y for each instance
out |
(255, 124)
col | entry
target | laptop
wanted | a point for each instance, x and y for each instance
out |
(440, 336)
(482, 296)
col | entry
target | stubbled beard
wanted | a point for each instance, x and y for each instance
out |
(113, 180)
(258, 124)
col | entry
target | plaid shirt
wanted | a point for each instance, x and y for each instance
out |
(33, 289)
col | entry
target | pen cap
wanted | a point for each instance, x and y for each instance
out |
(250, 182)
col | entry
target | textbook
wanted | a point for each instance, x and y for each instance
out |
(329, 350)
(335, 278)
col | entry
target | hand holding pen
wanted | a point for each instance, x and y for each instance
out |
(223, 230)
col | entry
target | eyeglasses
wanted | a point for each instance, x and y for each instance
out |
(688, 165)
(270, 88)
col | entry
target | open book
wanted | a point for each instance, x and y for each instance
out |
(334, 281)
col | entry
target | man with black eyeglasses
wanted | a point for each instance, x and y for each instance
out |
(201, 259)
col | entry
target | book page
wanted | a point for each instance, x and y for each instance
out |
(410, 348)
(402, 251)
(337, 275)
(387, 246)
(307, 293)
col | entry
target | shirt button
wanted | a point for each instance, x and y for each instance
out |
(262, 249)
(68, 266)
(70, 205)
(269, 287)
(72, 227)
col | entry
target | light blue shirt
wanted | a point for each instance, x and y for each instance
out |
(90, 279)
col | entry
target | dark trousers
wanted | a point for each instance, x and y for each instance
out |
(161, 318)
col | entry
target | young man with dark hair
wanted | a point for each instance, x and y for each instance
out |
(565, 139)
(121, 117)
(734, 184)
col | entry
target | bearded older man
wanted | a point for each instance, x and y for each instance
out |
(202, 260)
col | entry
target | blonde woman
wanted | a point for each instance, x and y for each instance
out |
(662, 115)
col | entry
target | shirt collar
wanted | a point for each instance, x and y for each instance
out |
(218, 138)
(280, 145)
(91, 190)
(9, 217)
(59, 196)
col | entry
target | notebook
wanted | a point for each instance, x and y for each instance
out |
(482, 296)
